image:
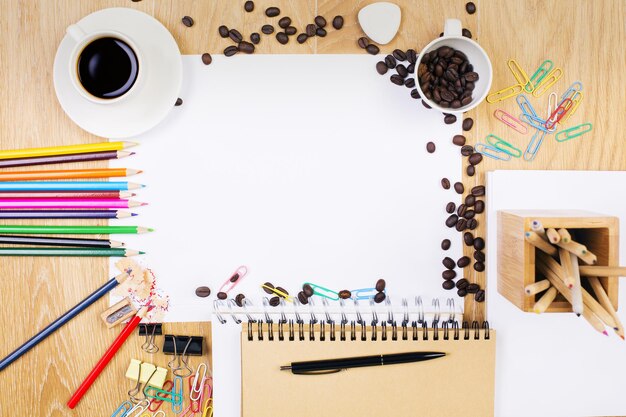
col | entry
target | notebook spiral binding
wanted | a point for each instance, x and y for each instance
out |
(282, 328)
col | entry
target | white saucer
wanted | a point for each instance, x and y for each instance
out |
(146, 107)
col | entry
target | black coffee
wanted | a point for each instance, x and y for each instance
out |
(107, 68)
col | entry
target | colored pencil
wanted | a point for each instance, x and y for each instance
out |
(68, 186)
(603, 271)
(577, 295)
(59, 241)
(64, 214)
(67, 174)
(66, 194)
(544, 302)
(65, 150)
(106, 358)
(537, 287)
(61, 159)
(75, 252)
(66, 203)
(605, 302)
(535, 240)
(58, 323)
(73, 230)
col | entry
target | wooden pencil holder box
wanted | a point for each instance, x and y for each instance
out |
(516, 257)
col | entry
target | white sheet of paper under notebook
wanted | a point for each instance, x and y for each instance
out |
(555, 364)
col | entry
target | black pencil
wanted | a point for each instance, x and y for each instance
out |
(59, 241)
(64, 214)
(57, 159)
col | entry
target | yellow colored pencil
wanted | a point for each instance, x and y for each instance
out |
(65, 150)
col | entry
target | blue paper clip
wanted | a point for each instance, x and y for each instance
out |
(502, 145)
(177, 404)
(534, 145)
(123, 409)
(536, 122)
(492, 152)
(539, 75)
(324, 292)
(525, 105)
(571, 90)
(364, 293)
(573, 132)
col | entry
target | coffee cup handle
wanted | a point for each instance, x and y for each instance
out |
(452, 28)
(76, 32)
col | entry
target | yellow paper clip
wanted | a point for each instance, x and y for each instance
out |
(503, 145)
(505, 93)
(573, 132)
(520, 75)
(539, 75)
(208, 408)
(547, 82)
(278, 292)
(576, 99)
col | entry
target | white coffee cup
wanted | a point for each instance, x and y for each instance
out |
(82, 39)
(476, 55)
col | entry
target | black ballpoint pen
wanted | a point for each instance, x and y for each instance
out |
(327, 366)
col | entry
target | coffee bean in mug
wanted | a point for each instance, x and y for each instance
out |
(303, 298)
(380, 285)
(450, 207)
(463, 261)
(448, 262)
(222, 295)
(452, 220)
(239, 299)
(203, 291)
(447, 285)
(275, 301)
(308, 290)
(445, 244)
(430, 147)
(448, 274)
(345, 294)
(445, 183)
(459, 188)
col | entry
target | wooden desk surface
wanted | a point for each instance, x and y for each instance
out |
(582, 37)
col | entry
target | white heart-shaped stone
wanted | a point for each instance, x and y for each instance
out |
(380, 21)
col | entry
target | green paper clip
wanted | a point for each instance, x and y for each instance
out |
(153, 392)
(503, 145)
(573, 132)
(539, 75)
(323, 292)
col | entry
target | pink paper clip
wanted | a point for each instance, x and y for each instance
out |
(558, 113)
(511, 121)
(231, 282)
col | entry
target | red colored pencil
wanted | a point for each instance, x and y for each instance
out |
(67, 194)
(106, 358)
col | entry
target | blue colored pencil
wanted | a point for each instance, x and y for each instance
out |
(68, 186)
(58, 323)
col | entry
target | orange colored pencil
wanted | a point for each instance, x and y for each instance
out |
(66, 174)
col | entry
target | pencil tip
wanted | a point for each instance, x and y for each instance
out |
(577, 314)
(605, 333)
(142, 252)
(571, 286)
(622, 337)
(133, 214)
(143, 204)
(131, 154)
(150, 229)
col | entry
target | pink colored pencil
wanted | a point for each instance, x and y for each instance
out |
(66, 203)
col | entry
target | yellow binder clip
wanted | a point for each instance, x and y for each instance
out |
(520, 75)
(505, 93)
(547, 82)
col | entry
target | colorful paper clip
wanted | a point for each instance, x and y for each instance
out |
(123, 409)
(520, 75)
(364, 293)
(177, 395)
(571, 91)
(536, 122)
(538, 76)
(573, 132)
(234, 279)
(558, 113)
(525, 106)
(551, 103)
(511, 121)
(505, 93)
(324, 292)
(547, 82)
(503, 145)
(207, 411)
(534, 145)
(576, 99)
(158, 400)
(278, 292)
(492, 152)
(138, 409)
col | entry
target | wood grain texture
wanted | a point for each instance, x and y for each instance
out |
(580, 36)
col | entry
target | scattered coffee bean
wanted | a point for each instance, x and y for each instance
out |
(480, 296)
(321, 32)
(284, 22)
(206, 58)
(468, 123)
(411, 68)
(459, 188)
(390, 61)
(470, 170)
(222, 295)
(399, 55)
(187, 21)
(395, 78)
(269, 289)
(472, 288)
(479, 207)
(290, 31)
(363, 42)
(448, 262)
(267, 29)
(203, 291)
(470, 7)
(466, 32)
(463, 261)
(255, 38)
(409, 83)
(448, 274)
(275, 301)
(381, 67)
(458, 140)
(402, 71)
(426, 105)
(445, 244)
(284, 291)
(478, 191)
(380, 285)
(472, 224)
(475, 158)
(303, 37)
(282, 38)
(310, 30)
(461, 210)
(223, 31)
(450, 207)
(430, 147)
(468, 238)
(415, 94)
(467, 150)
(479, 243)
(449, 119)
(462, 283)
(234, 278)
(461, 292)
(246, 47)
(372, 49)
(479, 266)
(308, 290)
(239, 299)
(379, 297)
(320, 21)
(272, 11)
(345, 294)
(470, 200)
(447, 285)
(479, 256)
(303, 298)
(461, 225)
(452, 220)
(248, 6)
(469, 214)
(411, 56)
(230, 50)
(445, 183)
(179, 102)
(338, 22)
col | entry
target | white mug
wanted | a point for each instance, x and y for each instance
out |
(476, 55)
(82, 39)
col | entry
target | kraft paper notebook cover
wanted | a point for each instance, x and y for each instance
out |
(459, 384)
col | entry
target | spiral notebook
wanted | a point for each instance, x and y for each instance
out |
(459, 384)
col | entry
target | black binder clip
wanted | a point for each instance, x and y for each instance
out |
(150, 329)
(187, 345)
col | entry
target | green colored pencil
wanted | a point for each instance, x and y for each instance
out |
(68, 252)
(73, 230)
